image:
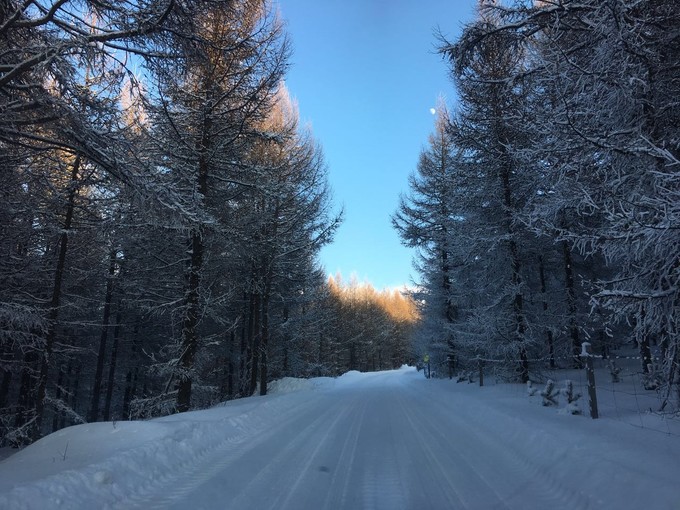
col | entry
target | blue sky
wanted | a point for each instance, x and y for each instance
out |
(365, 74)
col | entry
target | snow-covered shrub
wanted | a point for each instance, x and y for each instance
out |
(572, 398)
(531, 390)
(549, 393)
(12, 436)
(614, 371)
(465, 375)
(151, 407)
(653, 379)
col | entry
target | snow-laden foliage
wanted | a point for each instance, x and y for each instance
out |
(161, 210)
(564, 189)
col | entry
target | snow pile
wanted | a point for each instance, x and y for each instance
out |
(288, 385)
(386, 377)
(116, 463)
(348, 379)
(293, 384)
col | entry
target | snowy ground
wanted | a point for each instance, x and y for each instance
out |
(386, 440)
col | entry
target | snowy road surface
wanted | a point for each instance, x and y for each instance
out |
(388, 440)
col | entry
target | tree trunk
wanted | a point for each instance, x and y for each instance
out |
(320, 356)
(45, 359)
(99, 372)
(57, 395)
(549, 334)
(264, 344)
(25, 401)
(76, 386)
(189, 333)
(643, 343)
(673, 374)
(131, 376)
(245, 342)
(516, 279)
(112, 366)
(130, 391)
(571, 306)
(230, 369)
(5, 357)
(127, 394)
(255, 345)
(68, 383)
(192, 304)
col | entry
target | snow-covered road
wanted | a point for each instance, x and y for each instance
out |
(380, 444)
(389, 440)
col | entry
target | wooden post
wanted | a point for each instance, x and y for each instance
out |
(590, 373)
(481, 372)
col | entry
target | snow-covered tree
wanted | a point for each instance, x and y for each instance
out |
(232, 58)
(489, 132)
(428, 219)
(606, 138)
(135, 213)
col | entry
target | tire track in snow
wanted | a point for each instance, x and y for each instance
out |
(537, 486)
(163, 491)
(433, 466)
(364, 471)
(443, 458)
(310, 433)
(382, 484)
(346, 459)
(477, 482)
(274, 476)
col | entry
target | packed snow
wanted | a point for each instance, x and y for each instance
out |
(391, 440)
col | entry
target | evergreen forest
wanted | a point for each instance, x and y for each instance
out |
(162, 207)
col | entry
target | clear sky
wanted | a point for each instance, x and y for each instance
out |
(366, 74)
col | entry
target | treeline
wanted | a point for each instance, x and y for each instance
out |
(368, 329)
(160, 211)
(545, 207)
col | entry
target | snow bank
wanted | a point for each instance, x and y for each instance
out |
(293, 384)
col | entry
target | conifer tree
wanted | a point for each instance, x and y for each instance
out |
(233, 56)
(428, 219)
(607, 140)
